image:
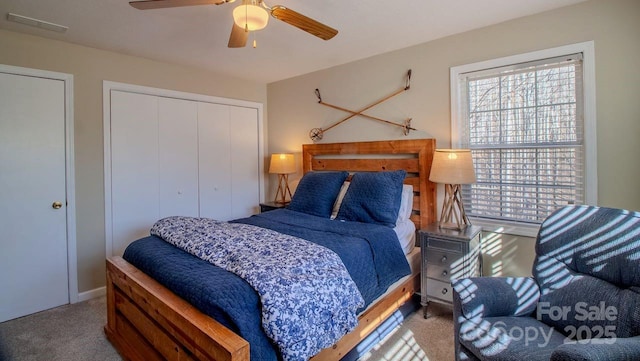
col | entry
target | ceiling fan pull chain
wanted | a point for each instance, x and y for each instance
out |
(246, 19)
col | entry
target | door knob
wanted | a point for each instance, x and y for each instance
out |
(56, 205)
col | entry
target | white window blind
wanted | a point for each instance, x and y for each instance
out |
(524, 124)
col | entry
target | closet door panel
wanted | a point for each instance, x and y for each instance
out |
(134, 167)
(214, 161)
(245, 162)
(178, 157)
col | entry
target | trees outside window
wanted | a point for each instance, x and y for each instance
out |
(530, 135)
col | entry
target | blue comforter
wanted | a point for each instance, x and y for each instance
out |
(371, 254)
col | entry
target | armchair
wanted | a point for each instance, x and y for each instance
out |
(582, 303)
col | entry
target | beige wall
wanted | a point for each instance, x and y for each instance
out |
(293, 107)
(90, 67)
(614, 27)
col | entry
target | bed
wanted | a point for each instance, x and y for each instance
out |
(147, 321)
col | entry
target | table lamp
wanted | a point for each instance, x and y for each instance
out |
(282, 165)
(453, 167)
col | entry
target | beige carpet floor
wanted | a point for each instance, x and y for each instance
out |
(75, 333)
(66, 333)
(417, 338)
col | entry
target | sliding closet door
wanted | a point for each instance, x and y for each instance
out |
(135, 204)
(215, 180)
(245, 161)
(178, 157)
(228, 161)
(172, 156)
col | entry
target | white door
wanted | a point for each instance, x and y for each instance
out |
(214, 161)
(154, 163)
(178, 157)
(33, 255)
(135, 205)
(229, 161)
(245, 161)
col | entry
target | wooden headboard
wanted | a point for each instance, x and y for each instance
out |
(414, 156)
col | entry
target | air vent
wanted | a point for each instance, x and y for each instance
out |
(36, 23)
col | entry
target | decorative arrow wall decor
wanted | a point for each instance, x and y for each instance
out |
(317, 133)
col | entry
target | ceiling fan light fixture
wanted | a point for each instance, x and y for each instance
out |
(250, 17)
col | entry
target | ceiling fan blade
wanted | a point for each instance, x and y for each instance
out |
(238, 37)
(303, 23)
(159, 4)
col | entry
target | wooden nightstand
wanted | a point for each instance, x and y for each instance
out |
(269, 206)
(447, 255)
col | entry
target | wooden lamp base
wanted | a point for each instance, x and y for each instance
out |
(453, 215)
(283, 189)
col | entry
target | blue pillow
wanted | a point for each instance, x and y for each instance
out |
(316, 193)
(373, 198)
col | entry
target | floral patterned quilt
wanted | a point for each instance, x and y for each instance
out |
(309, 307)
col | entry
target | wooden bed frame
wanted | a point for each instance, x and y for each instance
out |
(146, 321)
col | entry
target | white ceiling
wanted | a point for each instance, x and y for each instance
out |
(198, 35)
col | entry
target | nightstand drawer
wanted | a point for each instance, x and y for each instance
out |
(441, 244)
(439, 289)
(439, 272)
(441, 259)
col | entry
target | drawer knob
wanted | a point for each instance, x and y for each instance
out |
(444, 259)
(444, 291)
(445, 273)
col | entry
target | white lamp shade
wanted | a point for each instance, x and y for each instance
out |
(282, 164)
(251, 17)
(452, 166)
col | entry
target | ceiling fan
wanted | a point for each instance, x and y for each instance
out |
(251, 15)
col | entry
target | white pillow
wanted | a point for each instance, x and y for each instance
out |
(406, 203)
(405, 229)
(406, 232)
(336, 205)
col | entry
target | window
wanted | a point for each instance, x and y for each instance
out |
(526, 122)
